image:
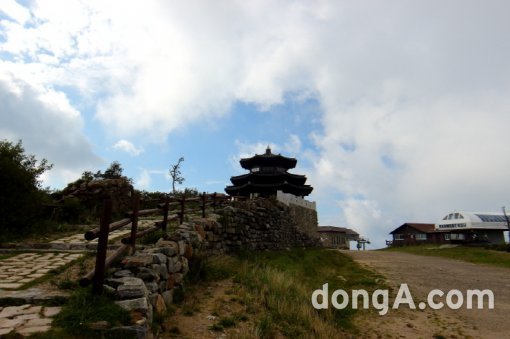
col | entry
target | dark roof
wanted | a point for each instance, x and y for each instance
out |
(425, 228)
(336, 229)
(269, 177)
(268, 159)
(285, 187)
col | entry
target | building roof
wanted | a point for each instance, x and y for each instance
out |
(424, 228)
(269, 177)
(337, 229)
(268, 159)
(473, 220)
(285, 187)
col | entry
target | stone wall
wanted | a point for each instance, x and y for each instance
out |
(262, 224)
(145, 282)
(92, 193)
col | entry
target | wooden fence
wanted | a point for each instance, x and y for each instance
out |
(171, 209)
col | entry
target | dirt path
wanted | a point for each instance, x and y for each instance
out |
(423, 274)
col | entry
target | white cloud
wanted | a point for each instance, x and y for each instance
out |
(414, 94)
(48, 126)
(128, 147)
(144, 180)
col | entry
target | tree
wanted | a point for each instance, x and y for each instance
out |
(20, 193)
(114, 171)
(175, 173)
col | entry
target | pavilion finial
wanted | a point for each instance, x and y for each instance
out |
(268, 149)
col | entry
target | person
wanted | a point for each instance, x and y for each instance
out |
(358, 246)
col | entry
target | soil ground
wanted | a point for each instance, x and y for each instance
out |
(204, 308)
(423, 274)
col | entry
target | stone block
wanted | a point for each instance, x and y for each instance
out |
(168, 297)
(39, 322)
(147, 274)
(123, 273)
(176, 267)
(159, 305)
(159, 258)
(137, 261)
(178, 277)
(152, 286)
(26, 331)
(11, 311)
(182, 247)
(168, 251)
(131, 291)
(52, 311)
(188, 251)
(11, 323)
(139, 304)
(138, 332)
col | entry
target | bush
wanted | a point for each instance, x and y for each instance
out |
(21, 194)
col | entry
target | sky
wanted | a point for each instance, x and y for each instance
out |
(397, 111)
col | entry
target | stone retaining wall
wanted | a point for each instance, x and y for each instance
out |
(145, 282)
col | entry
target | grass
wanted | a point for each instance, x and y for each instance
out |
(476, 255)
(276, 289)
(83, 309)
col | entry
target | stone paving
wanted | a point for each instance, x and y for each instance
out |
(26, 319)
(26, 267)
(20, 269)
(77, 240)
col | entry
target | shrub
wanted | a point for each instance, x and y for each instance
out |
(21, 194)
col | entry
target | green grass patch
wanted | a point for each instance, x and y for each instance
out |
(476, 255)
(277, 287)
(84, 308)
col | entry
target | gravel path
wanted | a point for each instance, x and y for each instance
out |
(423, 274)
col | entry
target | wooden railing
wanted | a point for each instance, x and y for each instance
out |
(179, 207)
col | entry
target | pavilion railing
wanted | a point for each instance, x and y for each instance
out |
(171, 209)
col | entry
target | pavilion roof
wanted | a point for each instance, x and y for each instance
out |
(268, 159)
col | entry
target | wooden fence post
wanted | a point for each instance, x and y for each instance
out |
(165, 214)
(181, 214)
(102, 244)
(214, 201)
(203, 205)
(134, 222)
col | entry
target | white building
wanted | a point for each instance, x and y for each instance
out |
(473, 226)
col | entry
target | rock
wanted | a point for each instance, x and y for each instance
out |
(139, 304)
(168, 251)
(188, 251)
(138, 332)
(148, 274)
(167, 244)
(132, 281)
(108, 289)
(159, 258)
(159, 305)
(161, 270)
(131, 291)
(168, 297)
(182, 247)
(185, 265)
(137, 260)
(152, 286)
(178, 277)
(99, 325)
(123, 273)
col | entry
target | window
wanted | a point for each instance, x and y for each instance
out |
(457, 236)
(421, 236)
(255, 169)
(447, 236)
(398, 236)
(491, 218)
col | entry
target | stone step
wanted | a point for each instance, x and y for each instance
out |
(33, 296)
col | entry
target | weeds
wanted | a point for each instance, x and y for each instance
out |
(276, 287)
